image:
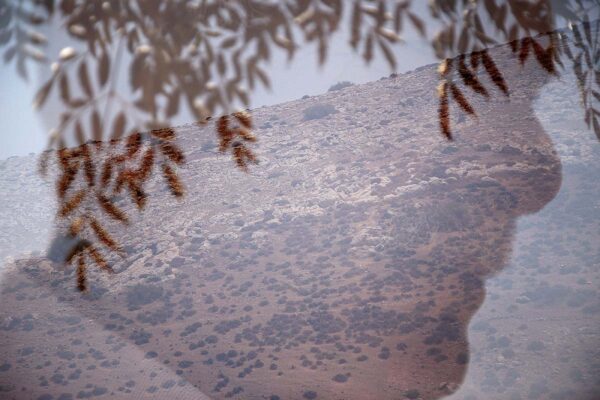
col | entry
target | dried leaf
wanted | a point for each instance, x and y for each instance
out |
(88, 166)
(445, 67)
(123, 177)
(164, 134)
(70, 205)
(245, 118)
(246, 134)
(493, 72)
(242, 155)
(81, 278)
(225, 134)
(103, 235)
(172, 180)
(133, 144)
(524, 49)
(544, 56)
(111, 209)
(238, 154)
(469, 78)
(64, 182)
(146, 165)
(76, 226)
(77, 249)
(97, 257)
(106, 174)
(137, 194)
(443, 110)
(461, 100)
(173, 152)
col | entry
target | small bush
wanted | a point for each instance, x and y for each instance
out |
(536, 345)
(310, 395)
(318, 111)
(340, 378)
(340, 86)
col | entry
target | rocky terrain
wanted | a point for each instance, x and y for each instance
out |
(349, 264)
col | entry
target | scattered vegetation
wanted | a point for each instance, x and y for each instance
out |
(340, 86)
(318, 111)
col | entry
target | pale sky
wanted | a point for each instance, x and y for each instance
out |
(24, 131)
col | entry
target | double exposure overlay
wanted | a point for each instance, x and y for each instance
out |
(178, 221)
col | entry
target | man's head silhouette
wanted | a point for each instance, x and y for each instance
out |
(348, 266)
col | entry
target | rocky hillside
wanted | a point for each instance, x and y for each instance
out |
(348, 264)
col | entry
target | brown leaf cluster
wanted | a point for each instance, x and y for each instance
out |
(124, 164)
(546, 57)
(80, 252)
(235, 132)
(468, 74)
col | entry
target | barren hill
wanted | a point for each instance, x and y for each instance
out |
(346, 265)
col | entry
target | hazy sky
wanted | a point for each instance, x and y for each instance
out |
(24, 131)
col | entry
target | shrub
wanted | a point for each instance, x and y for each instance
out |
(340, 378)
(310, 395)
(340, 86)
(318, 111)
(536, 345)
